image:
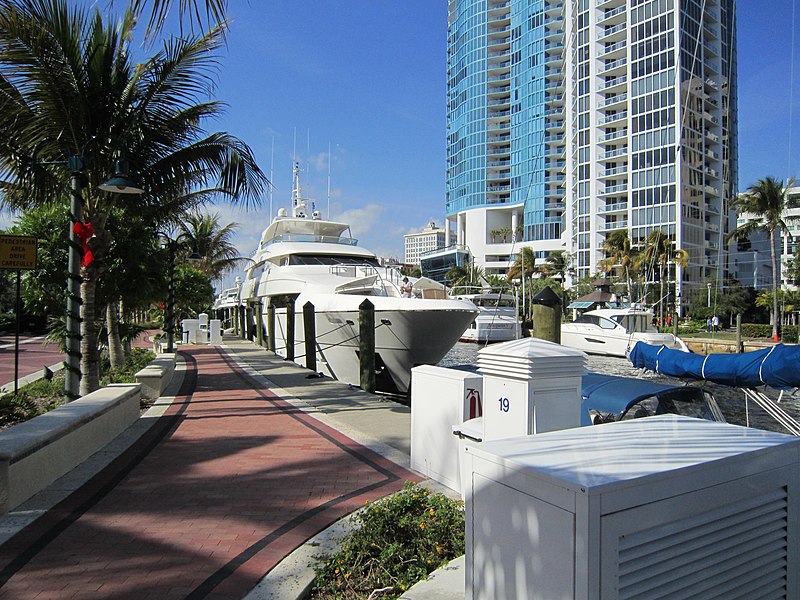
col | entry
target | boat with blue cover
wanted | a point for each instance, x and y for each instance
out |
(775, 367)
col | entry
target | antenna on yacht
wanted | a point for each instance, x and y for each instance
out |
(271, 178)
(298, 202)
(329, 179)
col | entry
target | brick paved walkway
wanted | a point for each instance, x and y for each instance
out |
(229, 482)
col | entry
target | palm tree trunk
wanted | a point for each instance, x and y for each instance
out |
(775, 276)
(115, 352)
(90, 358)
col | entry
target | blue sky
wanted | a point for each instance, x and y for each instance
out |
(367, 79)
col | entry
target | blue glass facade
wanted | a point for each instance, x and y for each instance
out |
(505, 143)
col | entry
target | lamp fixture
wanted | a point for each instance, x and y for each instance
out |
(121, 183)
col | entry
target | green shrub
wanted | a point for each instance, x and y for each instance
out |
(397, 541)
(31, 401)
(137, 361)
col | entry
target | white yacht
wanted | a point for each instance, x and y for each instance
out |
(497, 319)
(302, 258)
(615, 331)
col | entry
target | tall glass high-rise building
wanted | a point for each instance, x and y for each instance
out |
(570, 119)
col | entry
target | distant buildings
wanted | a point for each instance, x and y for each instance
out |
(430, 238)
(570, 119)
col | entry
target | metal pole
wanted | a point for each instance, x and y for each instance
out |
(172, 245)
(72, 362)
(16, 335)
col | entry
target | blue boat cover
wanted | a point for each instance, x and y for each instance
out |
(777, 367)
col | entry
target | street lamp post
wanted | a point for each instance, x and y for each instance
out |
(120, 184)
(169, 320)
(709, 294)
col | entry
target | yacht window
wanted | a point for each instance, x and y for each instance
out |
(606, 323)
(636, 323)
(330, 259)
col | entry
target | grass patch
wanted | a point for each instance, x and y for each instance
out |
(397, 541)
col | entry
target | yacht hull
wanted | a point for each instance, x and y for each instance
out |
(594, 341)
(408, 332)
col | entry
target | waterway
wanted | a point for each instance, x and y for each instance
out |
(734, 405)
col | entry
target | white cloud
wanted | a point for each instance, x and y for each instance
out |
(362, 220)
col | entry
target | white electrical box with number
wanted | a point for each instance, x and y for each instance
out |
(530, 386)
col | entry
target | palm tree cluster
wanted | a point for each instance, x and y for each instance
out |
(72, 90)
(765, 207)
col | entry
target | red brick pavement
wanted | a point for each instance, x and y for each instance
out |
(229, 482)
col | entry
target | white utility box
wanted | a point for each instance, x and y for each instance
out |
(660, 507)
(191, 329)
(530, 386)
(215, 332)
(441, 398)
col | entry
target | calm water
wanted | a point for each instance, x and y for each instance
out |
(731, 400)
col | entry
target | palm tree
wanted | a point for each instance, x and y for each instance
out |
(619, 253)
(557, 264)
(660, 252)
(524, 268)
(188, 10)
(765, 206)
(205, 237)
(466, 280)
(70, 89)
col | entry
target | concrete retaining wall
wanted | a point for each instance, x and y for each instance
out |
(35, 453)
(155, 377)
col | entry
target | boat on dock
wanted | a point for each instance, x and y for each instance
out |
(497, 319)
(303, 258)
(615, 331)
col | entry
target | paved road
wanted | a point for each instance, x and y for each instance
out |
(34, 355)
(226, 484)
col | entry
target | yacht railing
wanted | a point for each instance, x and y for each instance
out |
(308, 237)
(388, 278)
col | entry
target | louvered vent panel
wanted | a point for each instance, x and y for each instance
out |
(736, 551)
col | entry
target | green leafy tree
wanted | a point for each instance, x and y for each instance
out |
(193, 292)
(70, 88)
(765, 206)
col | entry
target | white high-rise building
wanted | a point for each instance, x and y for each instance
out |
(429, 239)
(570, 119)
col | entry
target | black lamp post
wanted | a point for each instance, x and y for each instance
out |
(169, 318)
(119, 184)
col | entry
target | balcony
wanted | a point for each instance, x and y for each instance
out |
(613, 135)
(612, 15)
(612, 118)
(614, 171)
(611, 226)
(616, 207)
(614, 189)
(612, 48)
(614, 153)
(613, 31)
(618, 99)
(612, 83)
(613, 65)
